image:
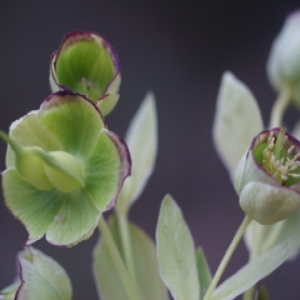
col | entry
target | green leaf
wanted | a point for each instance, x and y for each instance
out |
(141, 139)
(109, 285)
(261, 238)
(176, 252)
(203, 271)
(42, 277)
(237, 121)
(262, 294)
(251, 273)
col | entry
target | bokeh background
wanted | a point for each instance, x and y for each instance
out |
(179, 50)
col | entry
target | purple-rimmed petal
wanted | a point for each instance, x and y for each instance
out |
(73, 120)
(268, 204)
(106, 169)
(86, 63)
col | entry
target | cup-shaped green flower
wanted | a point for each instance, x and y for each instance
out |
(87, 64)
(267, 178)
(283, 65)
(64, 168)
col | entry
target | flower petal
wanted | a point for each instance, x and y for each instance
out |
(36, 209)
(106, 169)
(73, 120)
(75, 221)
(27, 132)
(266, 203)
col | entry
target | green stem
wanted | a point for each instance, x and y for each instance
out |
(126, 244)
(127, 283)
(279, 108)
(224, 262)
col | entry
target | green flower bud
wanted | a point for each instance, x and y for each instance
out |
(87, 64)
(64, 168)
(267, 178)
(283, 65)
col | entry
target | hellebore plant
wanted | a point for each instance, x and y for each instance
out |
(65, 168)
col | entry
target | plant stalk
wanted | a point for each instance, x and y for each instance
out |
(226, 258)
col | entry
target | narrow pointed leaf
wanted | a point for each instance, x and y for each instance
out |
(141, 139)
(150, 286)
(262, 294)
(42, 277)
(204, 272)
(251, 273)
(237, 121)
(176, 253)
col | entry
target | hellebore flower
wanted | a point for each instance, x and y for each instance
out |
(64, 168)
(87, 64)
(268, 177)
(283, 65)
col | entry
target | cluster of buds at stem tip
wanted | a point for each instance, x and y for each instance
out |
(267, 178)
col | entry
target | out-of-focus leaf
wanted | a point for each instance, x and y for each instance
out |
(262, 294)
(261, 238)
(42, 277)
(142, 139)
(176, 253)
(109, 285)
(204, 272)
(251, 273)
(237, 121)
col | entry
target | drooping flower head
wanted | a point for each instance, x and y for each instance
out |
(268, 177)
(87, 64)
(64, 168)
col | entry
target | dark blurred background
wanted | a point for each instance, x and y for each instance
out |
(179, 50)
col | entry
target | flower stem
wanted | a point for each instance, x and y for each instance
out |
(224, 262)
(126, 244)
(129, 287)
(279, 108)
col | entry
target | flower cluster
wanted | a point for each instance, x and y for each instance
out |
(63, 166)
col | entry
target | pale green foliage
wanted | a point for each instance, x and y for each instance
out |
(176, 253)
(251, 273)
(109, 284)
(203, 272)
(237, 121)
(141, 139)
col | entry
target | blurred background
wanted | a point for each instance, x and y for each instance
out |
(179, 50)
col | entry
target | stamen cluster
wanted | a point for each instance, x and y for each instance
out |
(280, 159)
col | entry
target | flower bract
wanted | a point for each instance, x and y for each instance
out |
(63, 169)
